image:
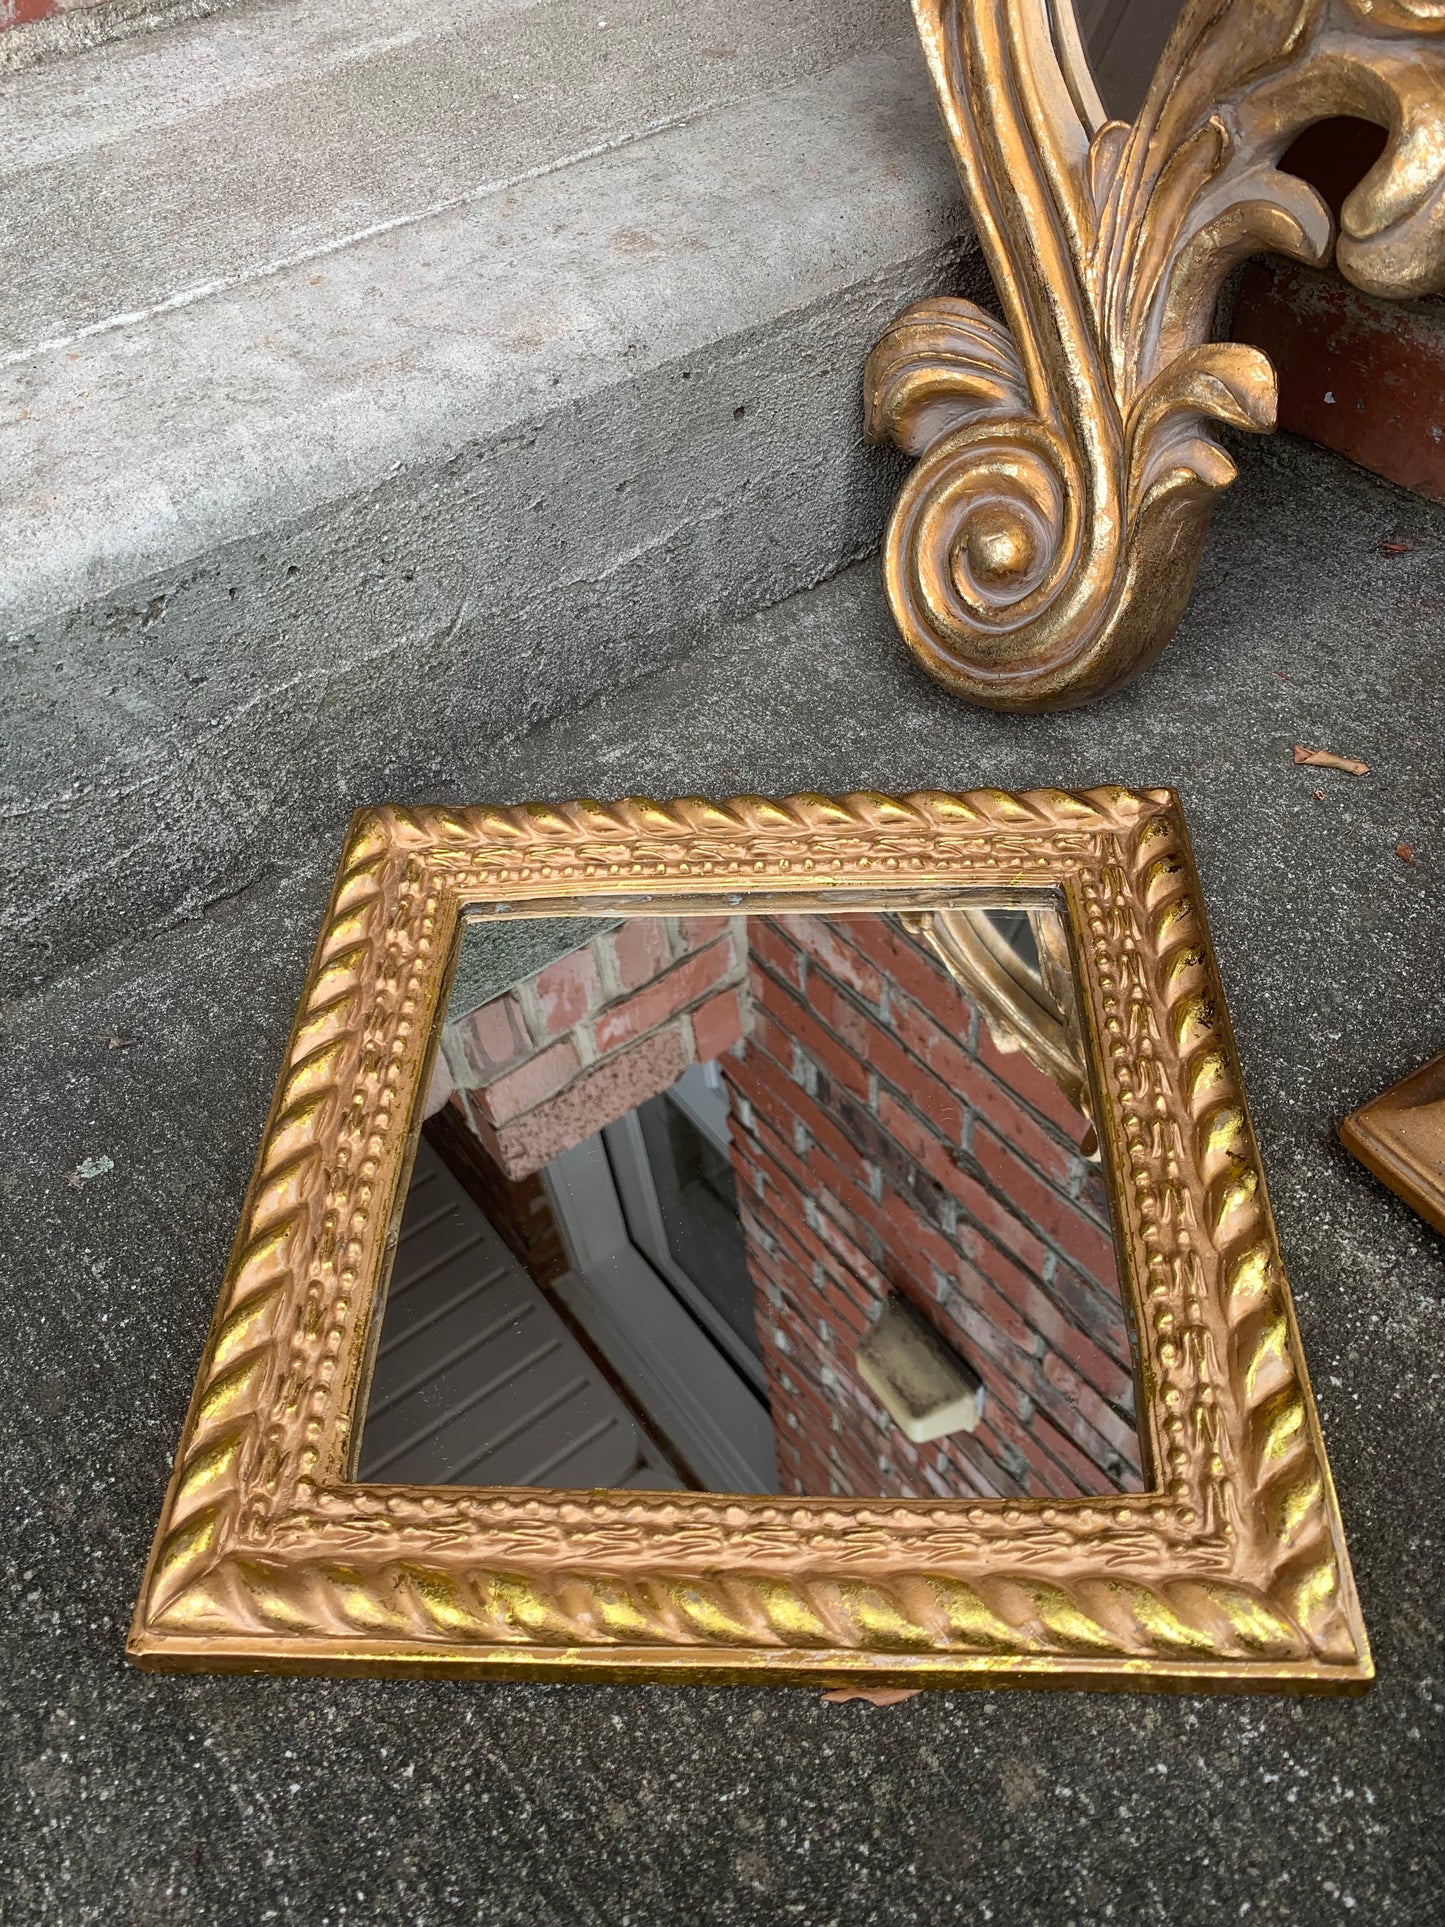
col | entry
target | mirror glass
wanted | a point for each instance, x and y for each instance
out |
(1122, 41)
(772, 1202)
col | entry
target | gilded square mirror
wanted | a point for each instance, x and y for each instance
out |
(817, 1241)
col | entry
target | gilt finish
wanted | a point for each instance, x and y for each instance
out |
(1400, 1136)
(1043, 549)
(1231, 1574)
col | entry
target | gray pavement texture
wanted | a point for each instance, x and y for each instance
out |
(434, 361)
(147, 1799)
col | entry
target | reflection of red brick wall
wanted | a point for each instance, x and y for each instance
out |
(516, 1207)
(582, 1042)
(881, 1142)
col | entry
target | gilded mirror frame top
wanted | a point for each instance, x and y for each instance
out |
(1230, 1574)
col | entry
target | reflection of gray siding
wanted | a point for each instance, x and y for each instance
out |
(477, 1379)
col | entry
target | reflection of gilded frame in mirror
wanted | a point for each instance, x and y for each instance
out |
(1035, 1012)
(1231, 1573)
(1045, 544)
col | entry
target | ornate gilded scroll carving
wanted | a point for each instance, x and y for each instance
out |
(1043, 548)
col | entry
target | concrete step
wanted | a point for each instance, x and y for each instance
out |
(376, 385)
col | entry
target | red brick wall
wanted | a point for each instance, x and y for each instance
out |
(1361, 375)
(579, 1044)
(518, 1208)
(17, 13)
(881, 1143)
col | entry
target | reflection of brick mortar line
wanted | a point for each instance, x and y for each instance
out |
(1071, 1478)
(874, 1448)
(969, 1041)
(972, 1169)
(872, 1445)
(567, 1050)
(1052, 1418)
(1103, 1450)
(963, 1159)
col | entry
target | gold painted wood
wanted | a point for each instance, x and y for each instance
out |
(1230, 1574)
(1044, 547)
(1400, 1137)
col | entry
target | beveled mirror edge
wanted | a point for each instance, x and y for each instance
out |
(1234, 1577)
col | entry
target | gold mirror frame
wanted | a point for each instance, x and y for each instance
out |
(1230, 1574)
(1045, 545)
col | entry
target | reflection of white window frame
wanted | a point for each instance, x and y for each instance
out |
(703, 1100)
(701, 1094)
(687, 1382)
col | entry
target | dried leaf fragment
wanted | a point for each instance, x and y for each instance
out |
(1326, 759)
(875, 1695)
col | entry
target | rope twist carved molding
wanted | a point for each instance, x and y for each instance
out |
(1043, 549)
(266, 1554)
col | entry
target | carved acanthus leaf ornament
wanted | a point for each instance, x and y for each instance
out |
(1043, 548)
